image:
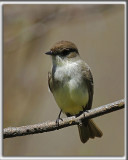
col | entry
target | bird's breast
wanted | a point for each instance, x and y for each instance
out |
(71, 93)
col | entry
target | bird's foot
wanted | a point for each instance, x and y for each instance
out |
(83, 111)
(57, 121)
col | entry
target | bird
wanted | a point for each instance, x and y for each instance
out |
(71, 83)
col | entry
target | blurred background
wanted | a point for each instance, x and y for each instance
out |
(29, 32)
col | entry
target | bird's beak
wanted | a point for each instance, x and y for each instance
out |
(49, 53)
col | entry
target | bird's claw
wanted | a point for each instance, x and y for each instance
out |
(57, 121)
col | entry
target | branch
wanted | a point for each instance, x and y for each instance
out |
(51, 125)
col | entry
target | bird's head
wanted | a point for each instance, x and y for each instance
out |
(63, 51)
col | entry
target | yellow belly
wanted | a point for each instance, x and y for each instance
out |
(71, 99)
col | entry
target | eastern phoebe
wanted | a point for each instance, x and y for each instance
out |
(71, 84)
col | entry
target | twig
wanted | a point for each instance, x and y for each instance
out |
(51, 125)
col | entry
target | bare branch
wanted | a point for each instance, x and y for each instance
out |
(51, 125)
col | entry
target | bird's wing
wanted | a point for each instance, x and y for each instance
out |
(50, 83)
(89, 82)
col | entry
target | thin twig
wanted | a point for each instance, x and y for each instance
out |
(51, 125)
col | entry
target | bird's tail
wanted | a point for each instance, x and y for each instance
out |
(89, 130)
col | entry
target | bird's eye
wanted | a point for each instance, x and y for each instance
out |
(65, 52)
